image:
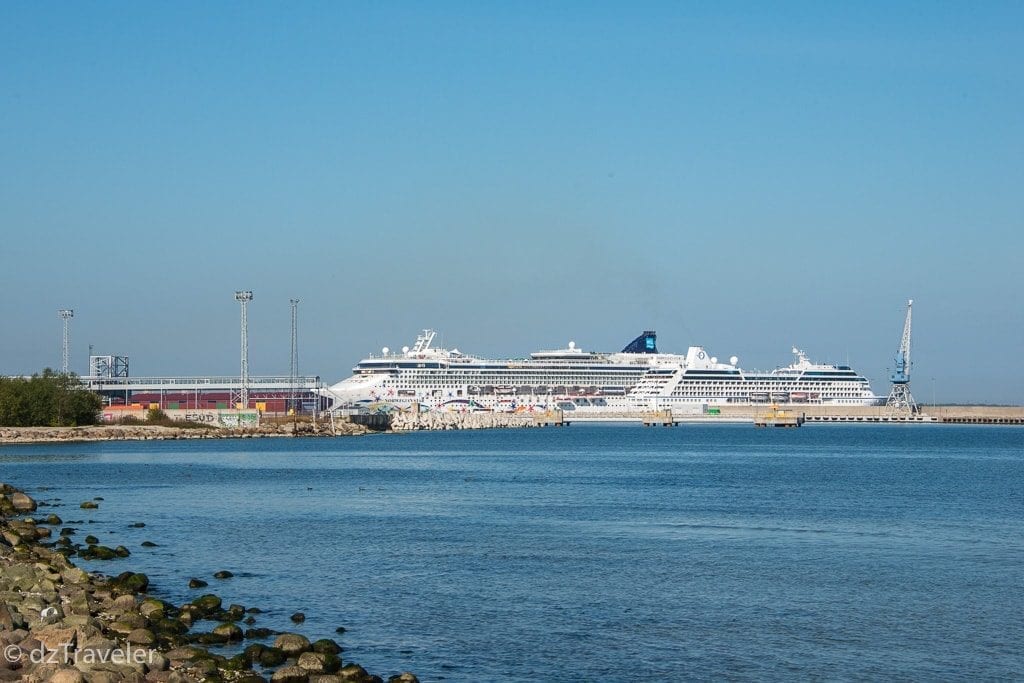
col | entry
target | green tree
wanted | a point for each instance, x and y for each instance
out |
(49, 399)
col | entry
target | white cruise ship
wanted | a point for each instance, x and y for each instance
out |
(637, 378)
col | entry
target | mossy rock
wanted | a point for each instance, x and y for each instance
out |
(229, 630)
(197, 583)
(234, 613)
(207, 604)
(208, 638)
(354, 672)
(130, 582)
(91, 540)
(253, 651)
(89, 505)
(169, 627)
(240, 662)
(272, 656)
(153, 609)
(319, 663)
(121, 551)
(98, 552)
(254, 633)
(326, 646)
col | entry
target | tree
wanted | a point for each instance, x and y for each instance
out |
(47, 400)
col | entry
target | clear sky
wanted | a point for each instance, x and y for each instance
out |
(746, 176)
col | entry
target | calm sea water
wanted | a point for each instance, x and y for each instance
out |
(586, 553)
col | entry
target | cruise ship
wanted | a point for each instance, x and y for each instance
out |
(637, 378)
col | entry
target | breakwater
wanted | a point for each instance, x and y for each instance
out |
(404, 421)
(61, 623)
(160, 433)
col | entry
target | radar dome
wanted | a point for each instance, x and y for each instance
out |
(405, 349)
(385, 350)
(734, 360)
(714, 359)
(572, 345)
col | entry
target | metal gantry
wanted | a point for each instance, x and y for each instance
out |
(108, 366)
(66, 315)
(900, 399)
(244, 297)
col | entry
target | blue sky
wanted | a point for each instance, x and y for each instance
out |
(515, 175)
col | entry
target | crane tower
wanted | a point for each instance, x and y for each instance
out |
(900, 399)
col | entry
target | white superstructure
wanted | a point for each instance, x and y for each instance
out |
(637, 378)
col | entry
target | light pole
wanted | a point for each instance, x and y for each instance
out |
(66, 315)
(244, 297)
(294, 361)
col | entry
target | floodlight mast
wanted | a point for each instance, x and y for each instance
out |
(294, 360)
(244, 297)
(66, 315)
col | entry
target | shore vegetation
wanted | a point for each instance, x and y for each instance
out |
(50, 399)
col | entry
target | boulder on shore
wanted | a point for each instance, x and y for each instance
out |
(292, 644)
(22, 503)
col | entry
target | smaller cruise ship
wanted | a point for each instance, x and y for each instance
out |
(701, 379)
(637, 378)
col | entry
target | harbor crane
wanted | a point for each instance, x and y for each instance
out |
(900, 399)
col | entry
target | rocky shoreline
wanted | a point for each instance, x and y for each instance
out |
(60, 623)
(12, 435)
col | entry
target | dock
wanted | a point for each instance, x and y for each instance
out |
(778, 418)
(550, 418)
(661, 418)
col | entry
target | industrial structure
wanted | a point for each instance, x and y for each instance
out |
(66, 314)
(293, 362)
(244, 297)
(270, 394)
(109, 377)
(900, 399)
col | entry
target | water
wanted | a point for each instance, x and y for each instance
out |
(585, 553)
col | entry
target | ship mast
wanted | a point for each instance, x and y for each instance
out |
(900, 399)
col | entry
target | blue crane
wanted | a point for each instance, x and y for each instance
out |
(900, 398)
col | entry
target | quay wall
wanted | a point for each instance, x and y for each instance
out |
(944, 414)
(403, 421)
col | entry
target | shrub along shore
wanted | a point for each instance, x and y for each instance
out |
(60, 623)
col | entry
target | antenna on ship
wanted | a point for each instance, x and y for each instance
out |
(900, 399)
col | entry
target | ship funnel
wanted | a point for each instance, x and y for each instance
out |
(647, 342)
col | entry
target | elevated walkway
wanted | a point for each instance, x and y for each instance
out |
(198, 383)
